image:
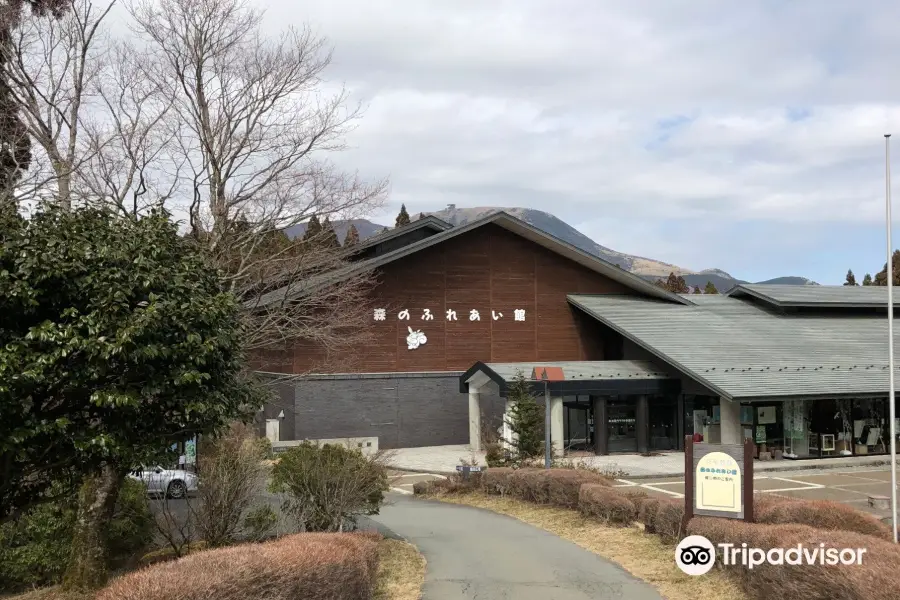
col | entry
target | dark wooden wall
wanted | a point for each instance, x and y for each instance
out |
(485, 269)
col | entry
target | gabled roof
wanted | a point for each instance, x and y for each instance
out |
(429, 221)
(606, 376)
(816, 296)
(743, 351)
(501, 219)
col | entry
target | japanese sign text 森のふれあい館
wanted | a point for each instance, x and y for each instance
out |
(380, 314)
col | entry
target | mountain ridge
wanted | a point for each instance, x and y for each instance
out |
(648, 268)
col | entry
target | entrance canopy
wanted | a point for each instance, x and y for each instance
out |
(604, 377)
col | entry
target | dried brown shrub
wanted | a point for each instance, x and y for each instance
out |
(647, 513)
(637, 496)
(668, 523)
(312, 566)
(601, 501)
(495, 481)
(877, 578)
(821, 514)
(521, 485)
(564, 485)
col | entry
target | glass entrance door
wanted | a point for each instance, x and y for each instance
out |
(622, 426)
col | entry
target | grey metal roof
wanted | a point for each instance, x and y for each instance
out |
(835, 296)
(500, 218)
(743, 351)
(429, 221)
(584, 370)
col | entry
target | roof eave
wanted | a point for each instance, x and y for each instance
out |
(663, 357)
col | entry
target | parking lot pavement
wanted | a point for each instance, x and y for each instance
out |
(853, 487)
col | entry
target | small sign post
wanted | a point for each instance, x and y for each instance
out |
(718, 480)
(467, 470)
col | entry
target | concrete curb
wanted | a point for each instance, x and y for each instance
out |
(822, 464)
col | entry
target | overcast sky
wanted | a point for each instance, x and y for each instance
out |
(745, 136)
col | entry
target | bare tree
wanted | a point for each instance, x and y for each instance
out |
(50, 65)
(254, 130)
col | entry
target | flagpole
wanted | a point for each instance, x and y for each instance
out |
(892, 410)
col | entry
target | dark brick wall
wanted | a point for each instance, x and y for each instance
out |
(403, 410)
(282, 400)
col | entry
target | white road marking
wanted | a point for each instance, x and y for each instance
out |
(401, 491)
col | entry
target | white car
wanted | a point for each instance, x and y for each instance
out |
(174, 483)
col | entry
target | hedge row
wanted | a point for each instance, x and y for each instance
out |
(593, 495)
(877, 578)
(313, 566)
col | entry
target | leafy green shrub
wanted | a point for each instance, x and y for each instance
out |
(260, 522)
(34, 550)
(131, 529)
(328, 487)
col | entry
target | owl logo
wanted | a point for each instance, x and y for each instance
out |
(415, 339)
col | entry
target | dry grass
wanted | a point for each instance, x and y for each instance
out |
(642, 555)
(401, 571)
(50, 593)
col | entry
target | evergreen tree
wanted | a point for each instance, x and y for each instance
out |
(851, 279)
(385, 230)
(329, 235)
(313, 229)
(352, 237)
(421, 215)
(710, 288)
(881, 276)
(867, 280)
(660, 284)
(402, 217)
(697, 290)
(676, 284)
(525, 420)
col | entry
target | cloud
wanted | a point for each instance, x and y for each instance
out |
(706, 114)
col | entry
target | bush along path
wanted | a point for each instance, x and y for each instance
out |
(538, 496)
(473, 553)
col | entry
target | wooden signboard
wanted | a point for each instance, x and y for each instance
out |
(718, 480)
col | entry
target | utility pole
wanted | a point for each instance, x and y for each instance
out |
(548, 451)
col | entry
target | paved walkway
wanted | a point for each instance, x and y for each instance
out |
(444, 459)
(477, 554)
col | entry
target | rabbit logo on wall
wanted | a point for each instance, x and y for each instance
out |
(415, 339)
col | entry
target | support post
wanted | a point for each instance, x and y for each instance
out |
(474, 418)
(730, 422)
(548, 450)
(601, 426)
(688, 481)
(642, 424)
(748, 480)
(557, 433)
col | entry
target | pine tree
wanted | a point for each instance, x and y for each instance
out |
(329, 235)
(525, 420)
(660, 284)
(867, 280)
(851, 279)
(697, 290)
(421, 215)
(881, 276)
(402, 217)
(313, 229)
(352, 237)
(676, 284)
(710, 288)
(385, 230)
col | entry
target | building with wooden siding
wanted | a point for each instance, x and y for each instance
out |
(459, 311)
